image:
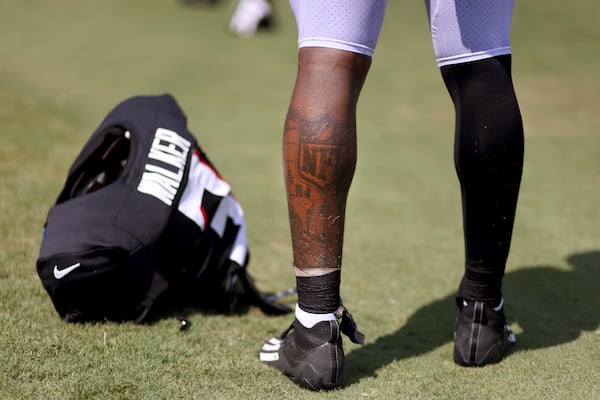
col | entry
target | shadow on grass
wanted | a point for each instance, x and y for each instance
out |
(550, 305)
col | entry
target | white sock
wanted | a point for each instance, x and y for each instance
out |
(308, 320)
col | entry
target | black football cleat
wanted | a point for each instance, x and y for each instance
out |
(312, 357)
(481, 335)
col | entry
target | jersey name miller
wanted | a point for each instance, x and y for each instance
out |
(166, 164)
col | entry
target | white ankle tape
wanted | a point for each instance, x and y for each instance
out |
(308, 320)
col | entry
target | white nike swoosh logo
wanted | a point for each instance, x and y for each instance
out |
(61, 273)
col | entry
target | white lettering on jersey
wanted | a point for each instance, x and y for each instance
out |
(169, 148)
(159, 181)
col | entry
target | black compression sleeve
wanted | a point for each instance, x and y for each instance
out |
(488, 156)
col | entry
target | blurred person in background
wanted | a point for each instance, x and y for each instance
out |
(247, 17)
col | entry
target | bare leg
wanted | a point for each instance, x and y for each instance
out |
(319, 151)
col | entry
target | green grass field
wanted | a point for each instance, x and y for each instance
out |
(65, 64)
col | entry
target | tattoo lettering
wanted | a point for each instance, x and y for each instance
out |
(325, 153)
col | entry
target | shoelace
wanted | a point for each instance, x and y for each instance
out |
(348, 325)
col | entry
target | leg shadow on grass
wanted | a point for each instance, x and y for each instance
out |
(551, 306)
